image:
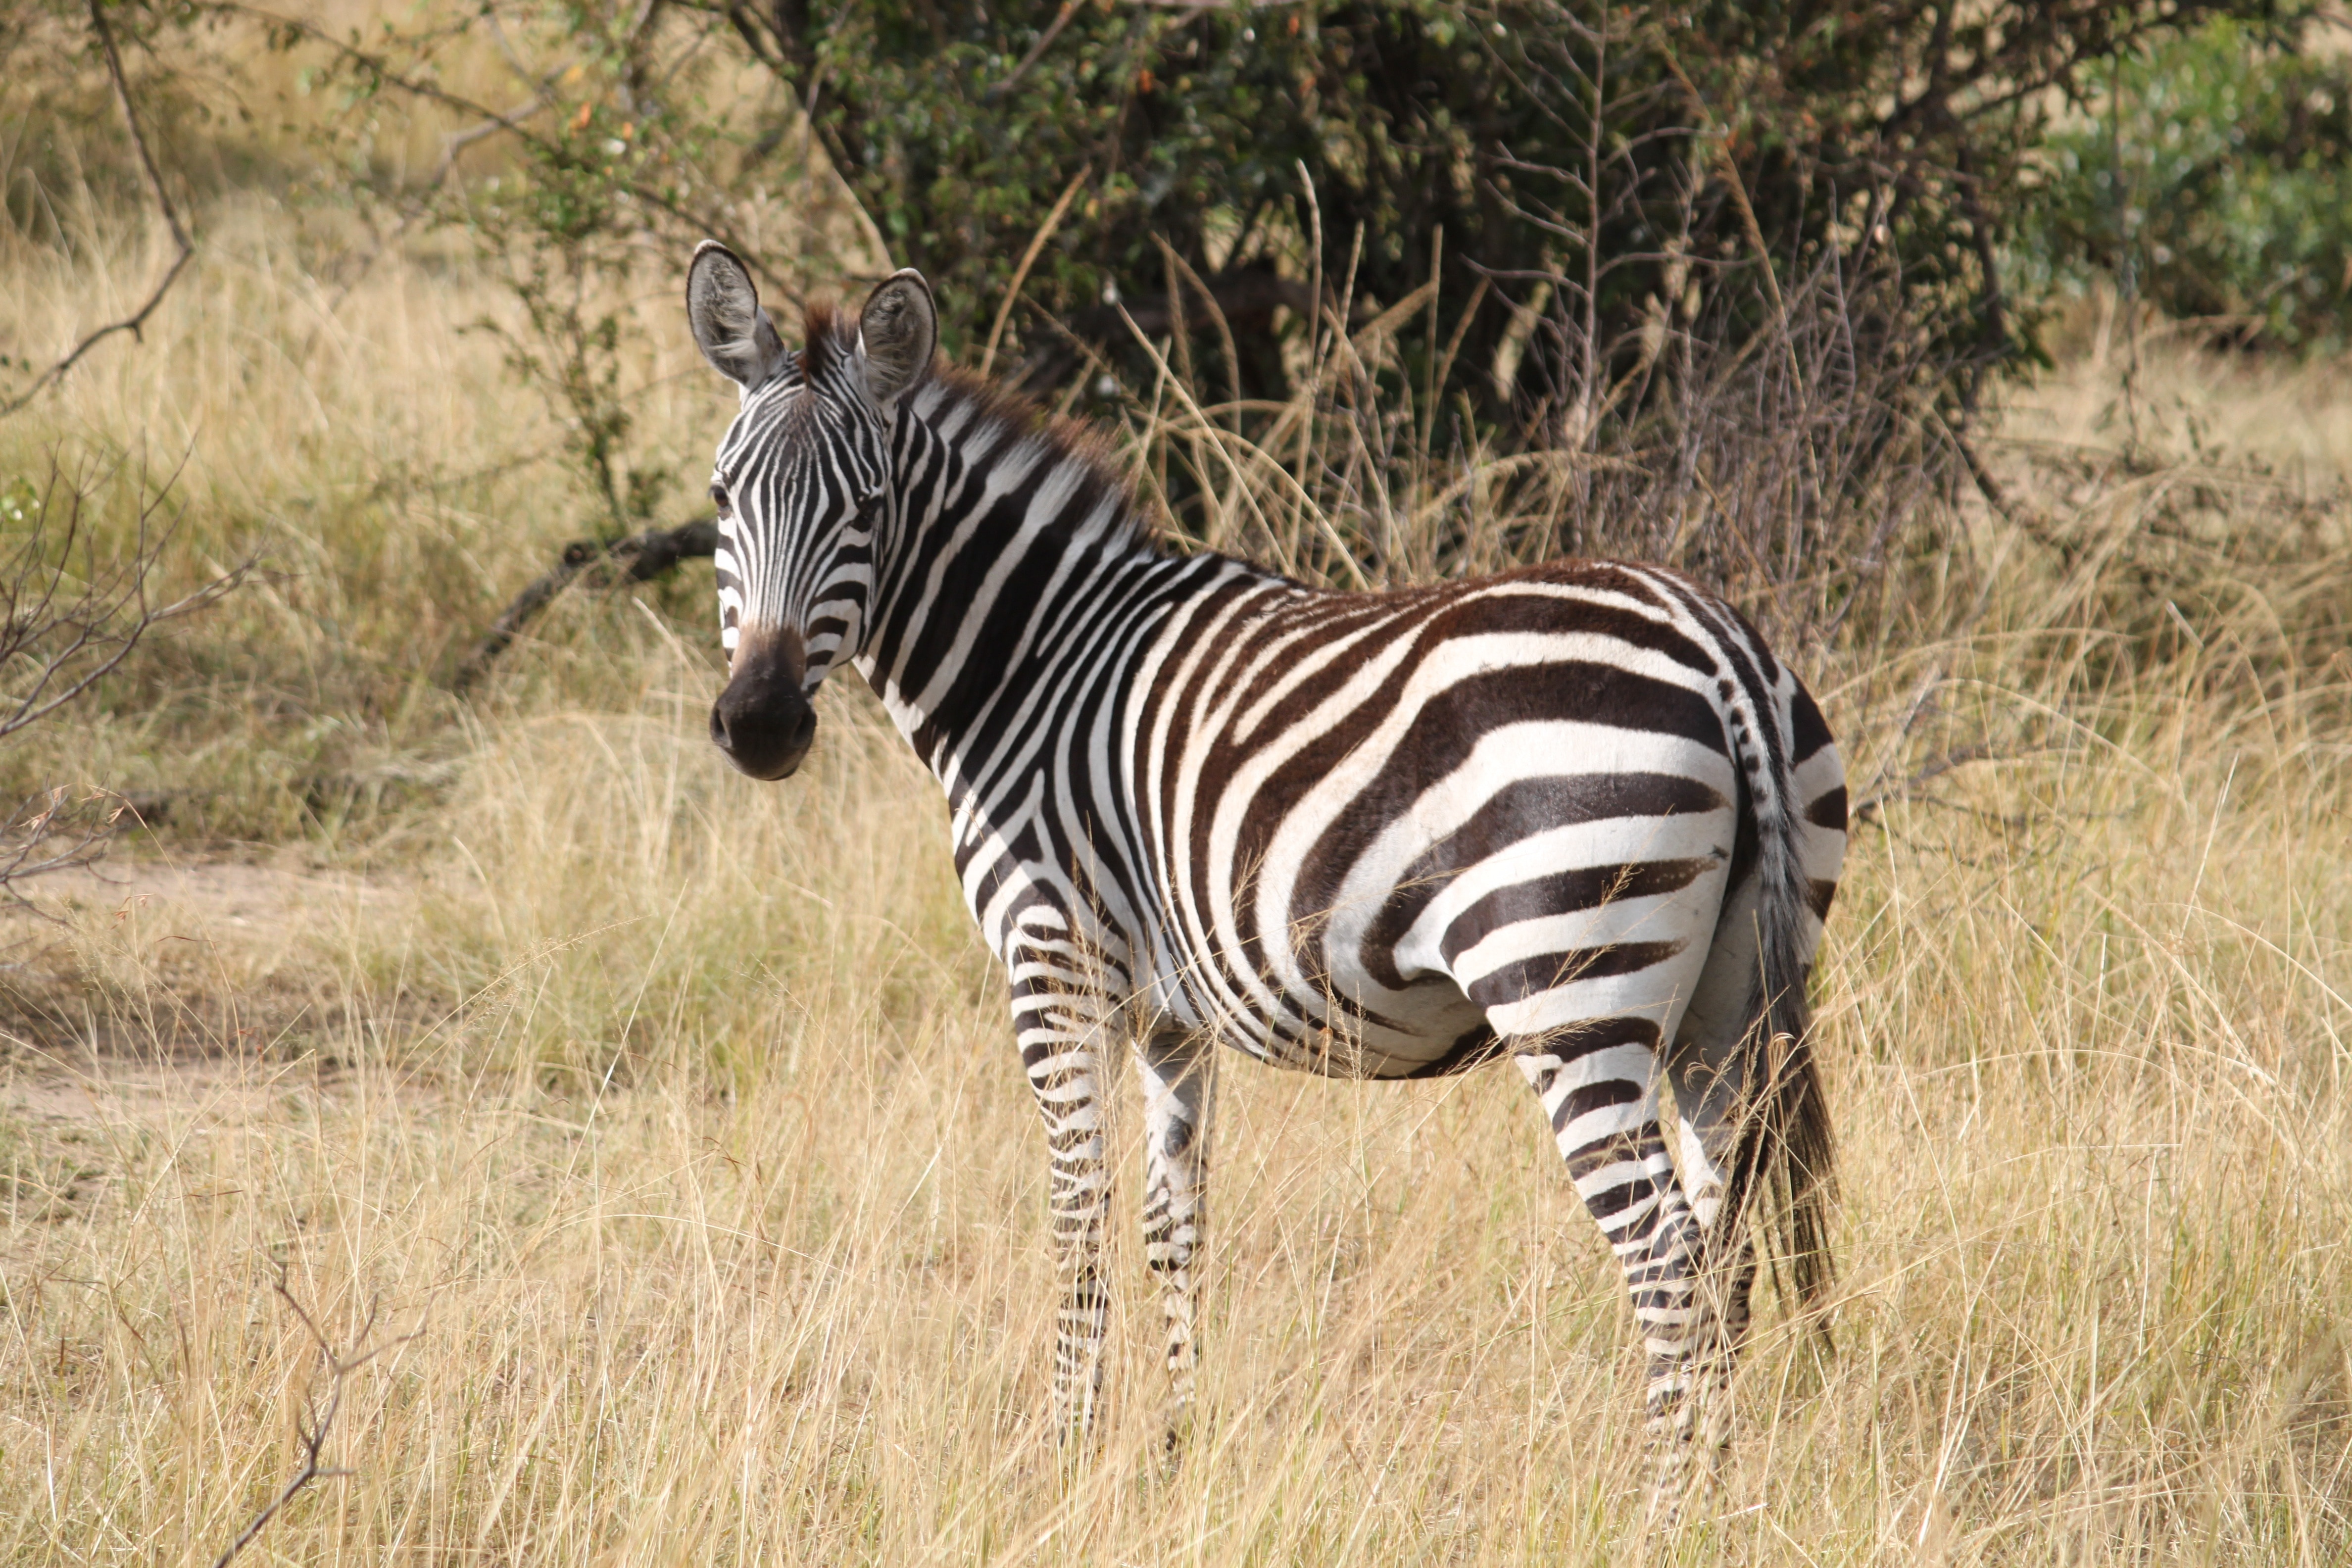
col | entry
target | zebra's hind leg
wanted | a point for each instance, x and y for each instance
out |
(1598, 1083)
(1174, 1069)
(1709, 1064)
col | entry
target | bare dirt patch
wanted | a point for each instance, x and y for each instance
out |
(75, 1134)
(149, 958)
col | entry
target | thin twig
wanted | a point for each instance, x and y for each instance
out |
(312, 1435)
(137, 321)
(1729, 170)
(46, 834)
(452, 144)
(84, 623)
(381, 73)
(1868, 807)
(1045, 41)
(1028, 259)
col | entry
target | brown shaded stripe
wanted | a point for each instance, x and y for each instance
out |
(1567, 892)
(1526, 977)
(1521, 808)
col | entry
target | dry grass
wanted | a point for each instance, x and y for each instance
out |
(677, 1116)
(2086, 1051)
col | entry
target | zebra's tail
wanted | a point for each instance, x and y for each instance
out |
(1788, 1152)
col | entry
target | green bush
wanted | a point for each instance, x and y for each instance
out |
(1593, 174)
(2211, 175)
(1587, 159)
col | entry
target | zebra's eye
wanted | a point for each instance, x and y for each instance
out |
(719, 499)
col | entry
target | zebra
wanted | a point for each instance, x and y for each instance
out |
(1576, 815)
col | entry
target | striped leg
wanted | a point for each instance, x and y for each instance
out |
(1598, 1083)
(1174, 1072)
(1061, 1030)
(1711, 1088)
(1718, 1072)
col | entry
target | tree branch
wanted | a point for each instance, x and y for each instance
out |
(1037, 52)
(55, 831)
(380, 72)
(452, 144)
(312, 1434)
(137, 319)
(57, 641)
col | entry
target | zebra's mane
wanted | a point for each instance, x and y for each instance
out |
(1070, 445)
(828, 335)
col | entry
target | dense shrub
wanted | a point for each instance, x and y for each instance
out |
(1589, 174)
(1603, 159)
(2210, 173)
(1749, 261)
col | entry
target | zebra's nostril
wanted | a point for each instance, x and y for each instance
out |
(764, 732)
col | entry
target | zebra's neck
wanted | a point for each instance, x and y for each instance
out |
(1015, 568)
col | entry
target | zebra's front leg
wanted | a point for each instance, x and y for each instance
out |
(1599, 1085)
(1061, 1032)
(1173, 1068)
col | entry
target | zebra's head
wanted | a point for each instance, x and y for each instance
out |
(803, 485)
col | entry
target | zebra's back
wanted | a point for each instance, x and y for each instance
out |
(1379, 822)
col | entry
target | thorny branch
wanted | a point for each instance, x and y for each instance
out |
(187, 246)
(65, 626)
(311, 1430)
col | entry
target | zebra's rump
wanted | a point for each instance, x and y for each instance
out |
(1383, 822)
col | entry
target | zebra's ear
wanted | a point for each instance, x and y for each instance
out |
(898, 332)
(722, 305)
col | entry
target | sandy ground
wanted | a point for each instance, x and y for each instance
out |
(208, 956)
(255, 903)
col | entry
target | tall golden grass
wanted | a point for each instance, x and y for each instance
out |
(676, 1120)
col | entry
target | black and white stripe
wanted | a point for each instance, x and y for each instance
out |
(1577, 815)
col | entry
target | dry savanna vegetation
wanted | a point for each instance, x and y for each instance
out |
(663, 1129)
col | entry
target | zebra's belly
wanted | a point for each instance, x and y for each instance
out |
(1428, 1029)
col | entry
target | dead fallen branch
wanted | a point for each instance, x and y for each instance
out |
(639, 558)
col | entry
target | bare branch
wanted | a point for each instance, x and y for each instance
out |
(56, 831)
(62, 631)
(61, 635)
(380, 72)
(312, 1432)
(187, 248)
(452, 145)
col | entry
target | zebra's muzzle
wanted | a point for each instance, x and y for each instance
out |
(763, 720)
